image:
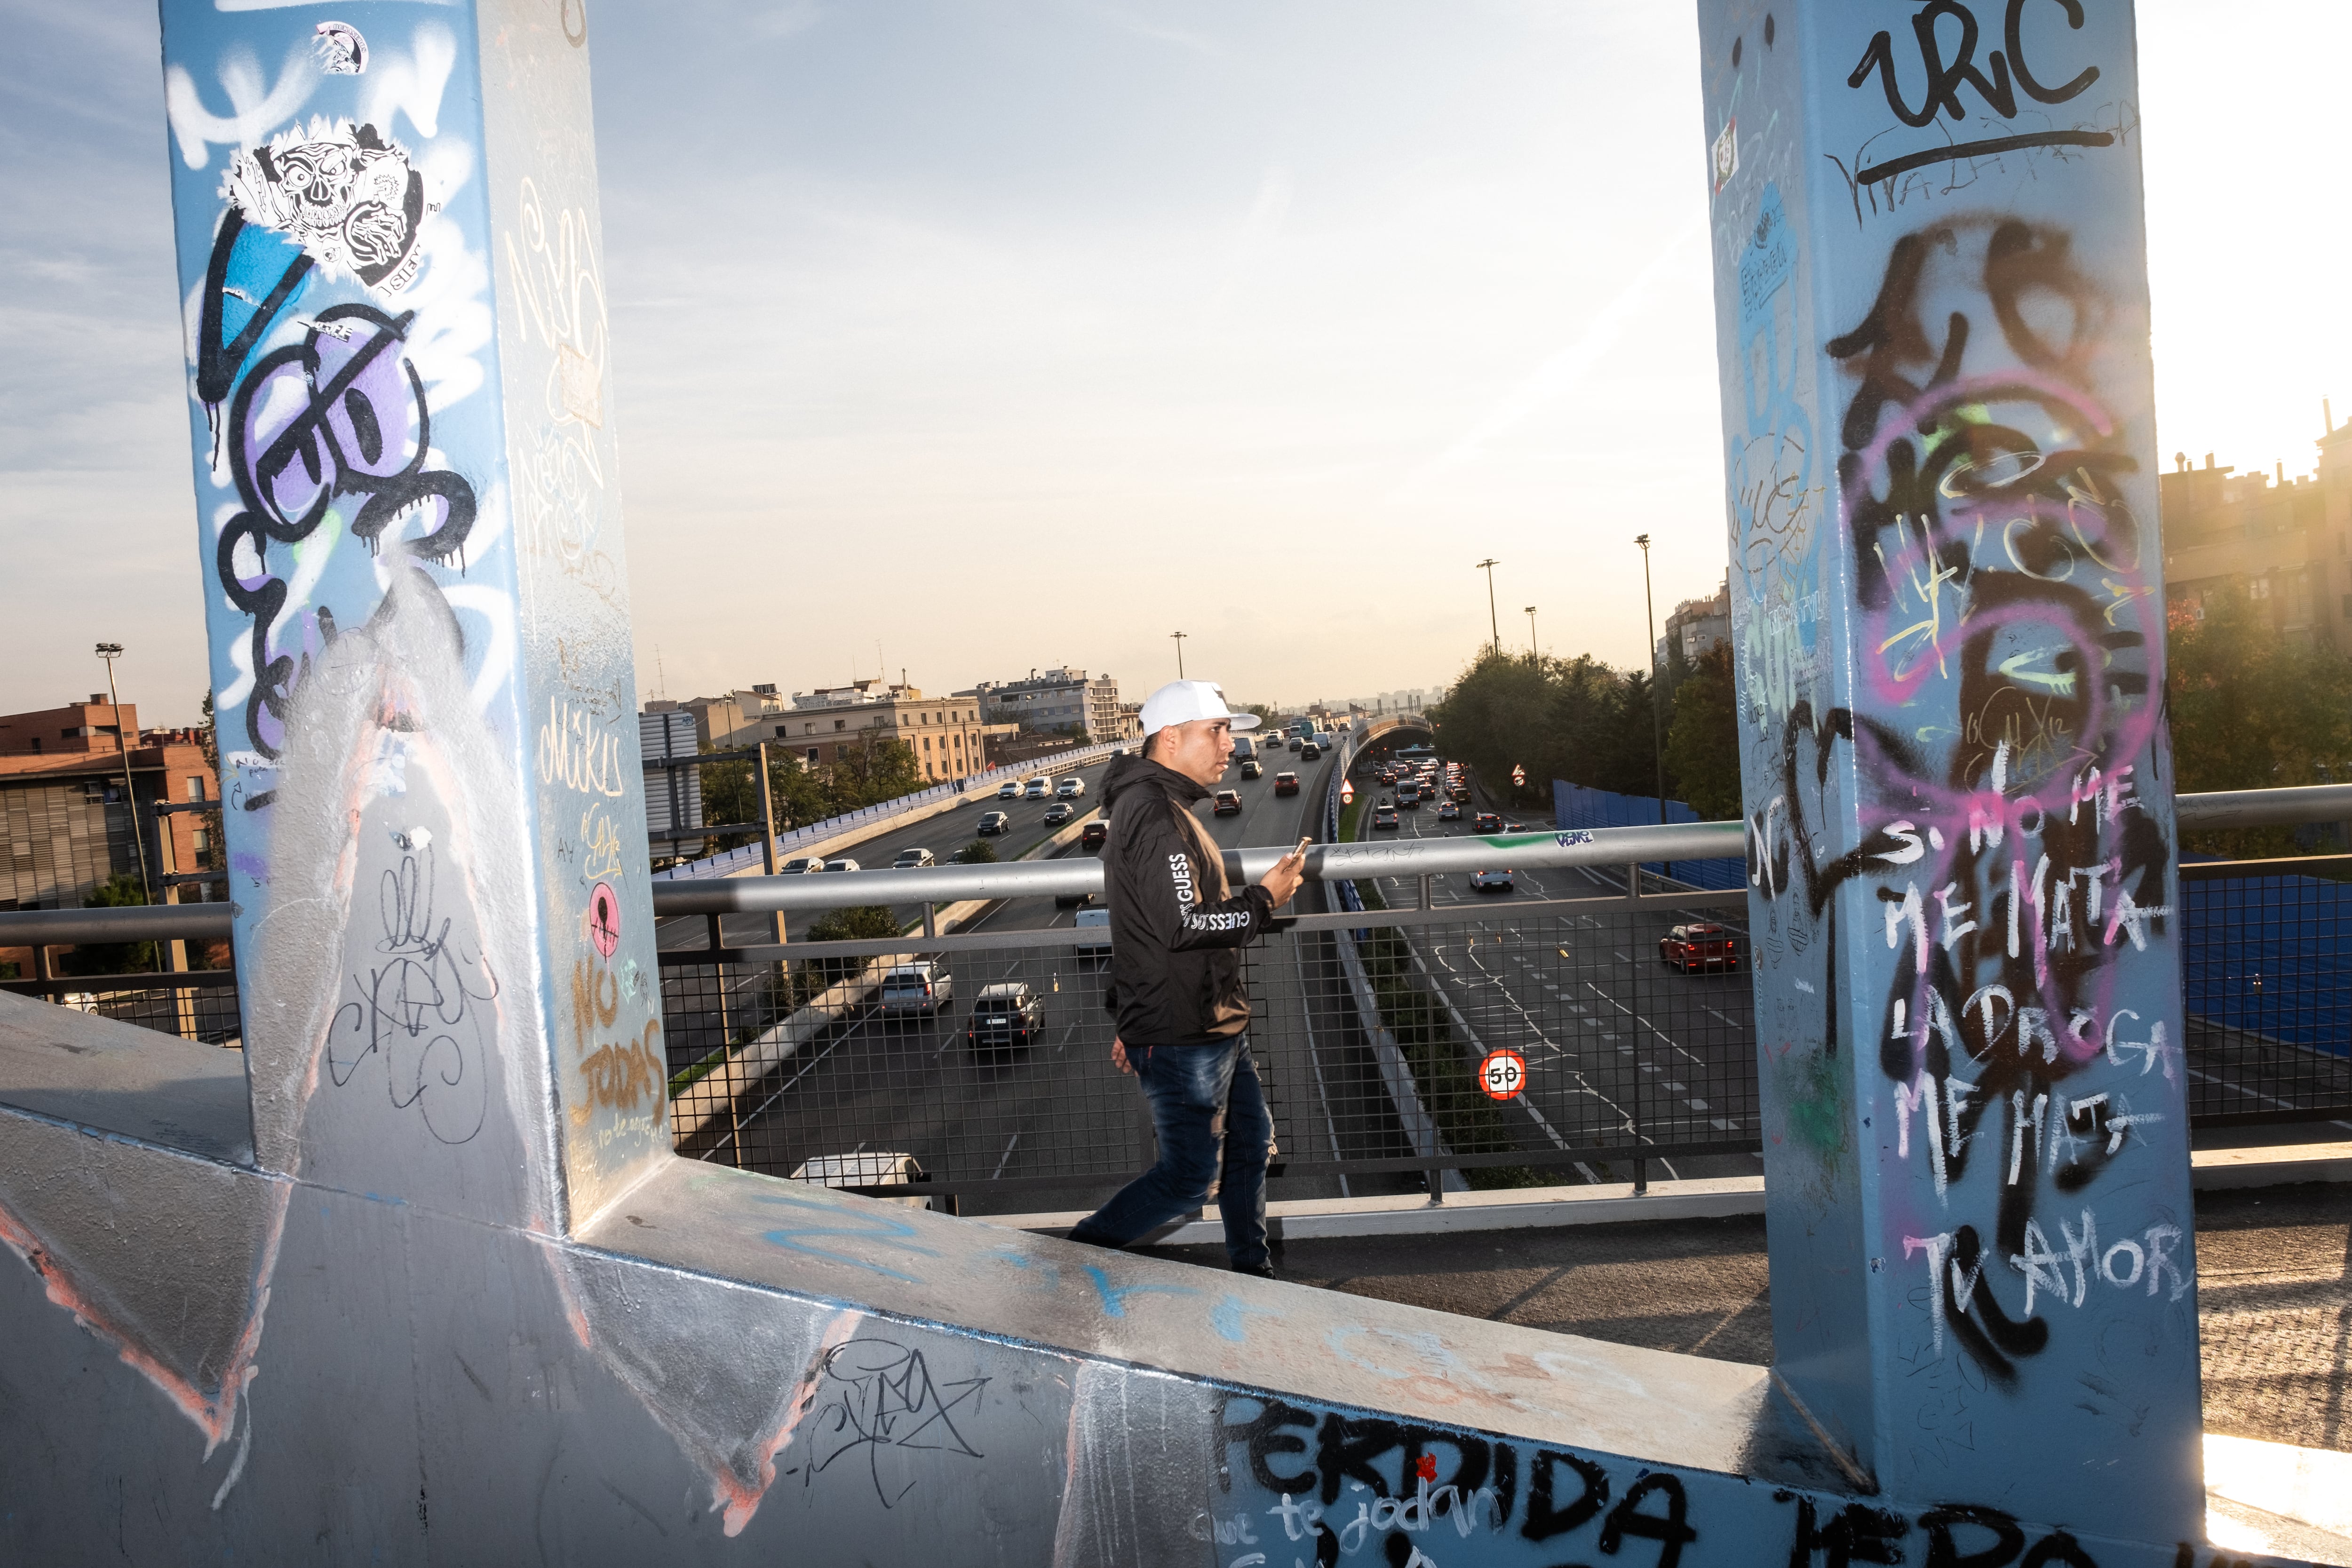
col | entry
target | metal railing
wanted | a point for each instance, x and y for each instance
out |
(1370, 1024)
(1369, 1048)
(977, 788)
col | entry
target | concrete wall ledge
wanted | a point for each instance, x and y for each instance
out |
(1616, 1202)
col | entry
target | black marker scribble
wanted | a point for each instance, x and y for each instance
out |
(414, 1008)
(882, 1396)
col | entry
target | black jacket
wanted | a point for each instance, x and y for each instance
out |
(1175, 924)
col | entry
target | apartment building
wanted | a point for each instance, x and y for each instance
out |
(2286, 542)
(1057, 699)
(1697, 625)
(67, 822)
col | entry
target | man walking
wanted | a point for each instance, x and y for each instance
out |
(1176, 985)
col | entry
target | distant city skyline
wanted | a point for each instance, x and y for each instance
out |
(966, 327)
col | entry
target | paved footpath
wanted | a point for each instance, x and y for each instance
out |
(2273, 1274)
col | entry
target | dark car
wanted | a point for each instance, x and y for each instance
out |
(1409, 798)
(1296, 742)
(1310, 751)
(1228, 803)
(1094, 835)
(1701, 945)
(1285, 783)
(1060, 812)
(994, 822)
(1008, 1014)
(1385, 816)
(1487, 822)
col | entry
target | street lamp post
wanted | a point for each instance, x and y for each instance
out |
(1179, 654)
(109, 652)
(1494, 626)
(1657, 726)
(1532, 651)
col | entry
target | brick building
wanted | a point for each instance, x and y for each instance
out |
(66, 824)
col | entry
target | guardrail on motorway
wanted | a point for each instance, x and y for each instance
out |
(978, 786)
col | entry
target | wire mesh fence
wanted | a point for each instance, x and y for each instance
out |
(986, 1062)
(199, 1006)
(1489, 1042)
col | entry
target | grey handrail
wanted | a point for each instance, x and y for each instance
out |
(1604, 847)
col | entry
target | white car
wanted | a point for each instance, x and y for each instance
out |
(842, 865)
(917, 988)
(874, 1168)
(1095, 925)
(1071, 788)
(800, 864)
(1039, 788)
(913, 860)
(1009, 790)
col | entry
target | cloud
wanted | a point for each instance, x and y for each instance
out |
(1564, 371)
(778, 22)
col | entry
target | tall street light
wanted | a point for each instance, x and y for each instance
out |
(1179, 654)
(1657, 726)
(1494, 626)
(1532, 653)
(109, 652)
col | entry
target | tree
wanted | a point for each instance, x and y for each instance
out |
(1703, 748)
(2250, 709)
(121, 891)
(979, 852)
(871, 770)
(731, 794)
(861, 922)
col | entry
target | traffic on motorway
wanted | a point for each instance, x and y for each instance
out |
(1623, 1017)
(994, 1064)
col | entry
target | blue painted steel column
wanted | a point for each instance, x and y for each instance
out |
(1931, 307)
(407, 512)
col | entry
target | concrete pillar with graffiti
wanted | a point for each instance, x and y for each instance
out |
(408, 511)
(1931, 307)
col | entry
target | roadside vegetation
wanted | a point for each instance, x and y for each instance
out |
(1580, 719)
(866, 773)
(2252, 709)
(1443, 1073)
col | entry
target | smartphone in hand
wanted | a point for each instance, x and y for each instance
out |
(1300, 852)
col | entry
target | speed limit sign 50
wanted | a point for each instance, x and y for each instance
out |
(1503, 1074)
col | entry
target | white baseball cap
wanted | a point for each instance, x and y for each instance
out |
(1183, 701)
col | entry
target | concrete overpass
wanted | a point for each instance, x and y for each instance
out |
(419, 1279)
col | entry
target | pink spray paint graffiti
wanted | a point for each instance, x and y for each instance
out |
(2006, 733)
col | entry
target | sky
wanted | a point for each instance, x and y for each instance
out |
(962, 337)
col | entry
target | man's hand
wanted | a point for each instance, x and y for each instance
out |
(1284, 879)
(1118, 1056)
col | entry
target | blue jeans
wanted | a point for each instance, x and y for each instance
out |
(1191, 1088)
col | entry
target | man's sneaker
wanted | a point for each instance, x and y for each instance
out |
(1256, 1270)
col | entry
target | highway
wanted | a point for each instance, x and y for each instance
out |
(943, 835)
(1055, 1115)
(1611, 1038)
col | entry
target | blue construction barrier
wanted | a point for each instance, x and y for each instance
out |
(1573, 805)
(2268, 955)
